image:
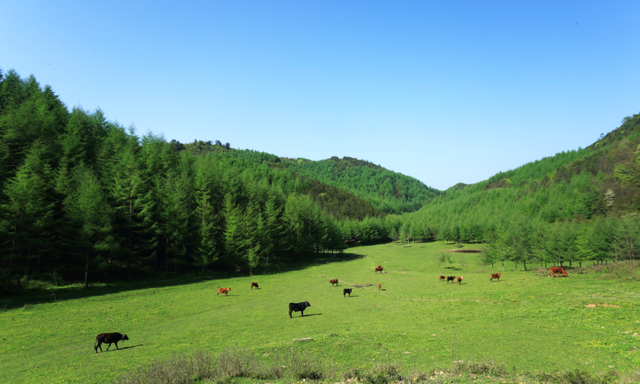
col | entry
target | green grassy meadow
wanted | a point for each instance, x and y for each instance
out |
(527, 320)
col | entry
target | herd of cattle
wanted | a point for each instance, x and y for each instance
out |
(113, 338)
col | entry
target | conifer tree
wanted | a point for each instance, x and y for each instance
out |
(90, 210)
(28, 212)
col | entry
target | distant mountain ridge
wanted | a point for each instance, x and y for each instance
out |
(389, 191)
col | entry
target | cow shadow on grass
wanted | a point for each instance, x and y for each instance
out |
(351, 296)
(30, 295)
(311, 314)
(121, 348)
(132, 346)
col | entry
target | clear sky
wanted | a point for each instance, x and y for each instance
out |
(444, 91)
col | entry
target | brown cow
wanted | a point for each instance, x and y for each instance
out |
(223, 290)
(451, 279)
(378, 269)
(334, 282)
(558, 270)
(254, 285)
(379, 286)
(109, 338)
(459, 280)
(443, 278)
(495, 276)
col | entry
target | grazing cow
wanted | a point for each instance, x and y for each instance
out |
(443, 278)
(223, 290)
(459, 280)
(379, 286)
(109, 338)
(378, 269)
(254, 285)
(298, 307)
(558, 270)
(347, 290)
(451, 279)
(334, 282)
(495, 276)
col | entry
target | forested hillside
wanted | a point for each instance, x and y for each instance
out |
(389, 191)
(573, 207)
(84, 199)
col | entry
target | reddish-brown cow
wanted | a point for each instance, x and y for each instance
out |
(334, 282)
(378, 269)
(443, 278)
(223, 290)
(254, 285)
(495, 276)
(459, 280)
(559, 271)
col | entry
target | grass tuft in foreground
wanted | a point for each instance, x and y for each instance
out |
(239, 365)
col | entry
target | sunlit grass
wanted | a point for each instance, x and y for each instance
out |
(527, 320)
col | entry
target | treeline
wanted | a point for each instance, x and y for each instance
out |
(84, 199)
(388, 191)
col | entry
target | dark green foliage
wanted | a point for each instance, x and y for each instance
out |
(83, 199)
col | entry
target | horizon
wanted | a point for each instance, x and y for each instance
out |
(445, 93)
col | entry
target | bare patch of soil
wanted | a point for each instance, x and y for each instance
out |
(594, 305)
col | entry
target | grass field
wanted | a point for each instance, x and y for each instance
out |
(527, 320)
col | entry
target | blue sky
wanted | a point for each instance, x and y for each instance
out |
(444, 91)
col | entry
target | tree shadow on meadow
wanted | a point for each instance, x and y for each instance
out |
(30, 297)
(311, 261)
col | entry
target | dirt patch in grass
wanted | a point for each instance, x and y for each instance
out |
(594, 305)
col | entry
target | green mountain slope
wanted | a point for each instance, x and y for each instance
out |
(389, 191)
(599, 180)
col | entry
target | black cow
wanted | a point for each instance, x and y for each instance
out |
(451, 279)
(109, 338)
(298, 307)
(347, 290)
